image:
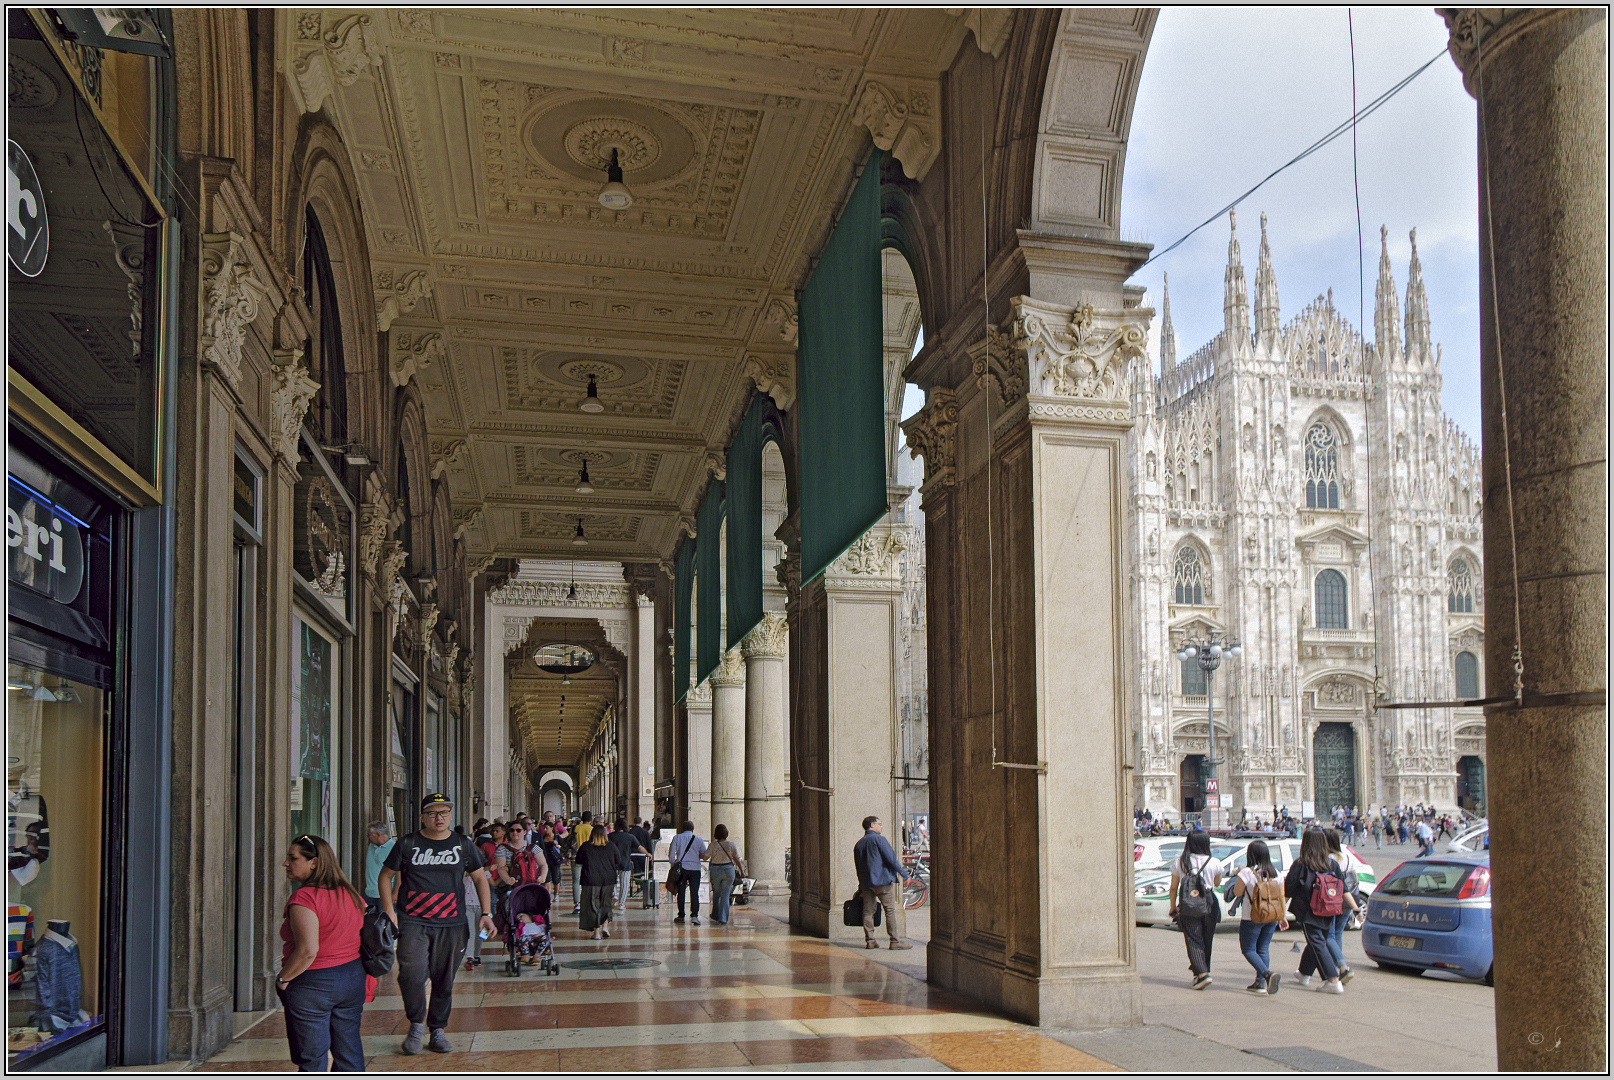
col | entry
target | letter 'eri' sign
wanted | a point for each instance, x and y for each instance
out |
(27, 230)
(46, 548)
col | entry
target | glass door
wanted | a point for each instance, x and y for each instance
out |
(315, 707)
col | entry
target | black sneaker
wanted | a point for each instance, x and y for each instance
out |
(1274, 981)
(1259, 986)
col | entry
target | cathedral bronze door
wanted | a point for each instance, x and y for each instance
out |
(1333, 762)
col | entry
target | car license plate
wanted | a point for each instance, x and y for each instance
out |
(1397, 942)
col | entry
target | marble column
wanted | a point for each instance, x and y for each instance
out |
(847, 700)
(698, 754)
(728, 747)
(767, 802)
(1540, 77)
(640, 770)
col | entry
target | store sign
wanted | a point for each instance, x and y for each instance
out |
(46, 548)
(27, 229)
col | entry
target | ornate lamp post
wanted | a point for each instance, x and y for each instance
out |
(1208, 654)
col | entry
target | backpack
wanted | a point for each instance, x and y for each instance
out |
(1194, 900)
(1327, 896)
(1267, 902)
(377, 943)
(524, 866)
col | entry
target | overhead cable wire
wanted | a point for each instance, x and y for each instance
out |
(1347, 125)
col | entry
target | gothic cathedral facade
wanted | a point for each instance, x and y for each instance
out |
(1302, 491)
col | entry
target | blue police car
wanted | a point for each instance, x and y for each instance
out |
(1433, 912)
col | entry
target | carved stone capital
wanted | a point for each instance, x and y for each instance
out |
(448, 455)
(397, 292)
(1072, 352)
(393, 556)
(931, 433)
(1477, 33)
(876, 554)
(428, 619)
(230, 297)
(288, 401)
(788, 573)
(773, 374)
(344, 52)
(478, 564)
(374, 524)
(700, 694)
(901, 116)
(730, 671)
(471, 520)
(781, 319)
(413, 351)
(767, 638)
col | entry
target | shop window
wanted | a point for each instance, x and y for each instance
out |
(56, 734)
(1331, 611)
(315, 704)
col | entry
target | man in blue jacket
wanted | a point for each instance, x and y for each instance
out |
(878, 873)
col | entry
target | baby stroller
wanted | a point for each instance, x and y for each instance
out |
(528, 900)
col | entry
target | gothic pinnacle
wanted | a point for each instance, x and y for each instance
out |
(1266, 294)
(1168, 336)
(1417, 322)
(1236, 297)
(1386, 307)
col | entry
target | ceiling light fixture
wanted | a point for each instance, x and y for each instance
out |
(591, 403)
(615, 194)
(583, 486)
(578, 538)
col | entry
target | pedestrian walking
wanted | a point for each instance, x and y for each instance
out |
(879, 876)
(598, 863)
(375, 856)
(1300, 885)
(1257, 926)
(1347, 877)
(724, 861)
(581, 833)
(623, 840)
(1376, 832)
(1426, 839)
(422, 893)
(321, 979)
(684, 854)
(1193, 903)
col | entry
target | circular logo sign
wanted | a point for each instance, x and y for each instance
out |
(27, 230)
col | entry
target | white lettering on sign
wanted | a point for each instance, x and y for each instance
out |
(54, 549)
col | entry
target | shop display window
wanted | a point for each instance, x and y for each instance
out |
(315, 699)
(56, 734)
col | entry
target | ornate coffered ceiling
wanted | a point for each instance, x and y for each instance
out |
(481, 138)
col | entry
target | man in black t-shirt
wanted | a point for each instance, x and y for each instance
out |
(423, 892)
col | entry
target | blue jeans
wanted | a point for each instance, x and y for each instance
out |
(1318, 957)
(1255, 941)
(1336, 940)
(721, 875)
(323, 1009)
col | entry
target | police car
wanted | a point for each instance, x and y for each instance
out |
(1433, 912)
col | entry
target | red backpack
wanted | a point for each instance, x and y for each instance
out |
(1327, 896)
(524, 866)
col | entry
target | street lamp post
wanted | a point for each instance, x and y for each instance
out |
(1208, 654)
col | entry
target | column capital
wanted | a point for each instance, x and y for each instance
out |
(874, 561)
(1477, 33)
(767, 638)
(931, 435)
(730, 670)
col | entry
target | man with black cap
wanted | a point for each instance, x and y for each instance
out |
(424, 877)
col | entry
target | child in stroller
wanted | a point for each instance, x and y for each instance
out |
(526, 930)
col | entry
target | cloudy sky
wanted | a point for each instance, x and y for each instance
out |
(1229, 94)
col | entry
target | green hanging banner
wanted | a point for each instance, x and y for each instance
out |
(840, 384)
(742, 494)
(683, 579)
(709, 583)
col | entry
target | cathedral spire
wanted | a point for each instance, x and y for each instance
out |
(1386, 308)
(1168, 336)
(1266, 295)
(1236, 297)
(1417, 326)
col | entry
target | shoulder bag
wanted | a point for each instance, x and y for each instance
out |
(675, 868)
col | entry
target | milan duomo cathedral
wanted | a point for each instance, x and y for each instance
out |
(1302, 491)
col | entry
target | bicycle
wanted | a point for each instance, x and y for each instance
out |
(915, 892)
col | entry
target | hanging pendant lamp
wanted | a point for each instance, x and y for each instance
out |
(578, 538)
(583, 486)
(615, 194)
(591, 403)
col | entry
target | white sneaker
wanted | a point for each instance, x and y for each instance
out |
(1330, 988)
(1302, 980)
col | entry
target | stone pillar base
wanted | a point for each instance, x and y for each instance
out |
(770, 890)
(1099, 997)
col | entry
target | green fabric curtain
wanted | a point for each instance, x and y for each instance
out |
(683, 579)
(742, 492)
(709, 583)
(840, 384)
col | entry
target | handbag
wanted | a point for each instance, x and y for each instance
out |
(675, 869)
(852, 911)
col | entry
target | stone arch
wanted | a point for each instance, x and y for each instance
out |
(409, 464)
(321, 178)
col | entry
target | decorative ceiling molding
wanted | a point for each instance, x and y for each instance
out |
(397, 292)
(413, 351)
(340, 56)
(900, 117)
(590, 594)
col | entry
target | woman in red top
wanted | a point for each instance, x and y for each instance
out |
(321, 981)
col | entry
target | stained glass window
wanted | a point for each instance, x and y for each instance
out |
(1322, 468)
(1460, 595)
(1331, 613)
(1192, 583)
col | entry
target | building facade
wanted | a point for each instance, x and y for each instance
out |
(1301, 491)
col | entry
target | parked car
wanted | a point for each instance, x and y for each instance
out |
(1475, 837)
(1153, 852)
(1433, 912)
(1152, 888)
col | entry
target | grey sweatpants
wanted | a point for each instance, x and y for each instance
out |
(429, 951)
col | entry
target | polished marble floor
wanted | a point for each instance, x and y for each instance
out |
(750, 996)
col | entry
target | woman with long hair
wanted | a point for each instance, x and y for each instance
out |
(1193, 903)
(1298, 886)
(599, 861)
(321, 979)
(1336, 932)
(1255, 938)
(723, 862)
